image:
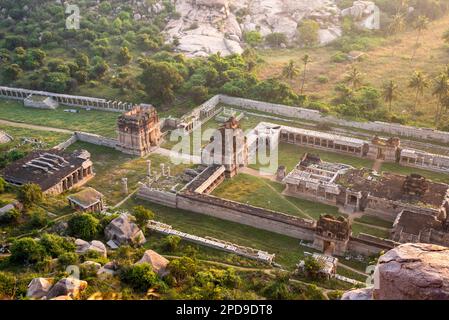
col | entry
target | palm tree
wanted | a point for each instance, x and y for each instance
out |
(389, 92)
(440, 90)
(306, 60)
(397, 24)
(290, 70)
(419, 82)
(421, 24)
(354, 77)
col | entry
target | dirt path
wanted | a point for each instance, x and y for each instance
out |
(352, 269)
(258, 173)
(33, 127)
(377, 166)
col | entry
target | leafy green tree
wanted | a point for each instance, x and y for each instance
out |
(11, 72)
(390, 92)
(55, 245)
(12, 216)
(84, 226)
(419, 82)
(30, 194)
(82, 60)
(124, 56)
(56, 82)
(278, 289)
(308, 32)
(142, 215)
(276, 39)
(290, 70)
(182, 268)
(199, 94)
(26, 250)
(140, 276)
(172, 243)
(160, 79)
(253, 38)
(312, 267)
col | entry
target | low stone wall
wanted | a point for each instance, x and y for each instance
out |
(161, 197)
(286, 227)
(96, 139)
(313, 115)
(369, 245)
(64, 145)
(68, 100)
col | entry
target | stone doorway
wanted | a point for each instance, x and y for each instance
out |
(328, 248)
(380, 154)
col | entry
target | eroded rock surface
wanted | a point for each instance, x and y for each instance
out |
(412, 271)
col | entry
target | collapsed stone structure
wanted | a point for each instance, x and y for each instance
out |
(332, 235)
(138, 130)
(54, 171)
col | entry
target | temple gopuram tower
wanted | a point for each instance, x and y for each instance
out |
(138, 130)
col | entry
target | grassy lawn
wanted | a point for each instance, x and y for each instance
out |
(94, 121)
(375, 221)
(111, 166)
(264, 193)
(358, 228)
(288, 251)
(49, 138)
(434, 176)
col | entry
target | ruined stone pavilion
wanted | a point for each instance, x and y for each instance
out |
(54, 171)
(139, 130)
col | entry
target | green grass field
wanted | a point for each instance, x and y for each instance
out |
(375, 221)
(267, 194)
(288, 251)
(49, 138)
(111, 166)
(94, 121)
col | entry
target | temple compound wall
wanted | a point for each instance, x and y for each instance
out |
(194, 197)
(68, 100)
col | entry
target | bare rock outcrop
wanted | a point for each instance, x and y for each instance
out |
(122, 230)
(39, 288)
(158, 262)
(210, 26)
(83, 247)
(412, 271)
(67, 287)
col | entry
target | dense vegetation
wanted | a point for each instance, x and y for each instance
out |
(115, 56)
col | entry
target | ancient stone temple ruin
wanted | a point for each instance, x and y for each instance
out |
(384, 149)
(139, 130)
(332, 235)
(54, 171)
(228, 147)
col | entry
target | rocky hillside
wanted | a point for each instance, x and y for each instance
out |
(209, 26)
(409, 272)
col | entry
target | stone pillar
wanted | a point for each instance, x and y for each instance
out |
(168, 171)
(149, 168)
(125, 185)
(163, 169)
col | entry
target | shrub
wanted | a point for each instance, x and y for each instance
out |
(140, 277)
(67, 259)
(30, 194)
(55, 245)
(172, 243)
(27, 250)
(142, 215)
(308, 32)
(10, 216)
(253, 38)
(322, 79)
(276, 39)
(7, 285)
(339, 57)
(84, 226)
(182, 267)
